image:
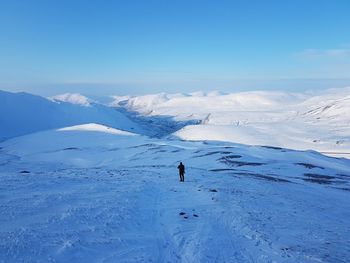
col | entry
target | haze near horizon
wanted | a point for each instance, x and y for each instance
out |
(139, 47)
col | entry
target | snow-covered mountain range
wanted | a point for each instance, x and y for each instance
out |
(83, 181)
(298, 121)
(290, 120)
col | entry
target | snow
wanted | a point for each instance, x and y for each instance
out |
(82, 181)
(91, 193)
(95, 128)
(23, 113)
(117, 100)
(299, 121)
(74, 98)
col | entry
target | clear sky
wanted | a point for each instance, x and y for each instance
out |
(145, 46)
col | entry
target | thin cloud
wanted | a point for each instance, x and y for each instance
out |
(329, 54)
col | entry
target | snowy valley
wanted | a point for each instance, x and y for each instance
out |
(299, 121)
(83, 181)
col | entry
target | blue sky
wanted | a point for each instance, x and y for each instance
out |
(116, 47)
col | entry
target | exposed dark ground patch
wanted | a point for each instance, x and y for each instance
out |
(317, 181)
(276, 148)
(212, 153)
(264, 177)
(272, 147)
(309, 166)
(157, 147)
(207, 154)
(160, 151)
(218, 152)
(71, 149)
(321, 179)
(273, 179)
(338, 179)
(113, 149)
(163, 148)
(228, 161)
(344, 175)
(319, 176)
(143, 145)
(232, 156)
(222, 170)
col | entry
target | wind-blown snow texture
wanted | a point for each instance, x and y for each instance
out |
(91, 193)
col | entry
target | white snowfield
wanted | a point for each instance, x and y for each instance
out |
(23, 113)
(319, 122)
(92, 193)
(93, 127)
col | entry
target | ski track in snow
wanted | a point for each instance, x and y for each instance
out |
(137, 210)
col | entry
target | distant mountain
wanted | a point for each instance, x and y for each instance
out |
(23, 113)
(73, 98)
(292, 120)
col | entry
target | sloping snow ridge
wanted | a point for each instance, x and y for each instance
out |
(93, 193)
(23, 113)
(291, 120)
(93, 127)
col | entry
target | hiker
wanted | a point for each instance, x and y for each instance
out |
(181, 168)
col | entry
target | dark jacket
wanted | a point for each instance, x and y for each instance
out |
(181, 168)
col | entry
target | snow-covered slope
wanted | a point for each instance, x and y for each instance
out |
(87, 185)
(73, 98)
(201, 104)
(91, 193)
(22, 113)
(300, 121)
